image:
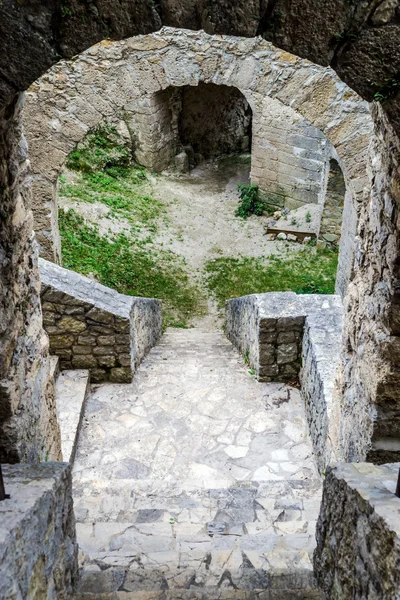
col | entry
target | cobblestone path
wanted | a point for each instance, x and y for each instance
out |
(195, 478)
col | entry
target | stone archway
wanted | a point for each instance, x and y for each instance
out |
(114, 78)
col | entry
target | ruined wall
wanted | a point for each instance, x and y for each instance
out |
(94, 327)
(28, 425)
(294, 338)
(215, 120)
(38, 549)
(331, 221)
(358, 533)
(288, 157)
(369, 382)
(152, 124)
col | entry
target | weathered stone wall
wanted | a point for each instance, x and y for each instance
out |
(289, 337)
(93, 327)
(215, 120)
(75, 96)
(28, 424)
(358, 533)
(369, 378)
(331, 221)
(320, 362)
(38, 549)
(289, 157)
(150, 120)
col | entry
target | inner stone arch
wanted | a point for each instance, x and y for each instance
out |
(116, 77)
(193, 122)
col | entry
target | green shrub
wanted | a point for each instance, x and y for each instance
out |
(249, 203)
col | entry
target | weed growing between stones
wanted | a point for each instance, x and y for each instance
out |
(309, 271)
(131, 267)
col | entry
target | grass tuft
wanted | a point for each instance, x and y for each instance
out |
(309, 271)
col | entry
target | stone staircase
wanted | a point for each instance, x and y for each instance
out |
(195, 481)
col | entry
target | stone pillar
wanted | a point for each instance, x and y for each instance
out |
(150, 121)
(28, 424)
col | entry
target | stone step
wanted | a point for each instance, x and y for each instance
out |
(71, 393)
(285, 563)
(154, 556)
(250, 503)
(208, 594)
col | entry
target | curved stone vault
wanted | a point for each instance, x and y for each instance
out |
(111, 79)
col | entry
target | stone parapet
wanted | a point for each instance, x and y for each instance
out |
(358, 533)
(294, 339)
(94, 327)
(38, 549)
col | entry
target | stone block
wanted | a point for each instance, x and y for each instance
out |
(86, 339)
(103, 350)
(82, 349)
(106, 361)
(286, 353)
(100, 316)
(121, 375)
(290, 323)
(71, 325)
(124, 360)
(106, 340)
(61, 341)
(287, 337)
(84, 361)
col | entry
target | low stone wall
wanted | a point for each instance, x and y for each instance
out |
(358, 533)
(93, 327)
(38, 549)
(293, 338)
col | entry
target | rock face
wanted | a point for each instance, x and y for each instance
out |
(358, 534)
(38, 549)
(294, 338)
(369, 378)
(28, 425)
(93, 327)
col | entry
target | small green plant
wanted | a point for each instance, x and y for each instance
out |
(293, 221)
(388, 88)
(249, 203)
(66, 11)
(246, 357)
(308, 217)
(102, 149)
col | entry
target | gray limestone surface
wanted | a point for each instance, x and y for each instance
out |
(358, 533)
(38, 551)
(195, 476)
(71, 392)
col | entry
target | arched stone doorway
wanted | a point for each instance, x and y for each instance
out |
(116, 78)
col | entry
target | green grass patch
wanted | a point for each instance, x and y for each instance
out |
(308, 271)
(130, 267)
(105, 173)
